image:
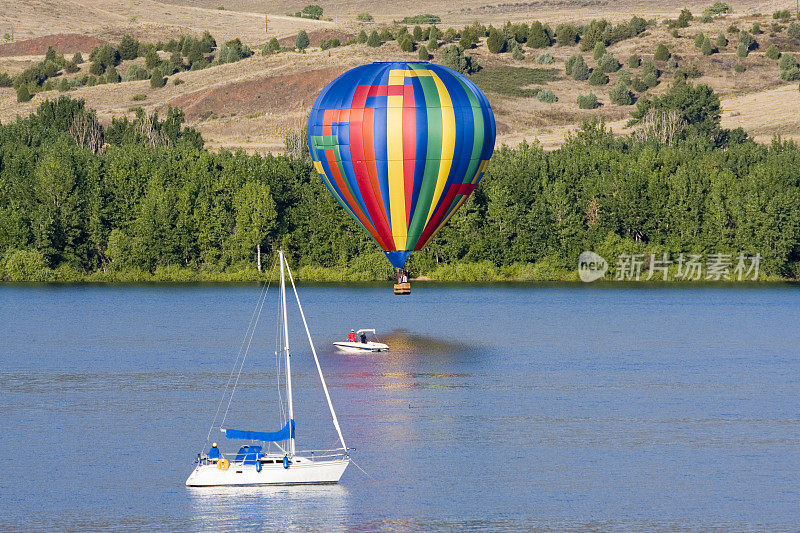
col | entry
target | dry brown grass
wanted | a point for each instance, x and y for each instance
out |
(253, 103)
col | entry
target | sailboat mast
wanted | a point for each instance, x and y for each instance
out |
(288, 356)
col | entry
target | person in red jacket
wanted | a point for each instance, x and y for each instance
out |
(352, 335)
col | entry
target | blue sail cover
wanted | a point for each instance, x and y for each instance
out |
(266, 436)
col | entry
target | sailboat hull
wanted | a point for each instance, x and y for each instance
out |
(302, 471)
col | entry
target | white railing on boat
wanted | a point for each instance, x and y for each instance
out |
(312, 455)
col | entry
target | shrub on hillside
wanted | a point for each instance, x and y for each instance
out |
(706, 47)
(374, 39)
(301, 42)
(544, 59)
(569, 64)
(662, 52)
(433, 38)
(423, 54)
(77, 58)
(587, 101)
(608, 63)
(151, 58)
(157, 80)
(327, 44)
(620, 95)
(599, 50)
(698, 39)
(454, 58)
(742, 50)
(793, 31)
(547, 96)
(128, 47)
(580, 70)
(539, 35)
(566, 34)
(364, 17)
(772, 52)
(23, 95)
(135, 72)
(791, 74)
(598, 77)
(722, 41)
(634, 61)
(495, 42)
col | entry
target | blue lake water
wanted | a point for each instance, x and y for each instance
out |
(511, 407)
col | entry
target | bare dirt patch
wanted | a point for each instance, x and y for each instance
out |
(275, 94)
(67, 43)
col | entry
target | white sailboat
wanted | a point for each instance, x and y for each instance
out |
(281, 463)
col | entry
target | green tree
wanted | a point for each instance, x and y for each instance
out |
(620, 95)
(597, 77)
(255, 219)
(454, 58)
(423, 54)
(433, 38)
(722, 41)
(362, 37)
(495, 42)
(313, 12)
(23, 95)
(706, 47)
(662, 53)
(152, 59)
(374, 40)
(588, 101)
(580, 70)
(608, 63)
(77, 58)
(302, 41)
(157, 79)
(634, 61)
(96, 68)
(128, 47)
(538, 35)
(698, 39)
(599, 50)
(406, 44)
(742, 50)
(566, 34)
(772, 52)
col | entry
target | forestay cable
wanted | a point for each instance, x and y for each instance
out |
(316, 360)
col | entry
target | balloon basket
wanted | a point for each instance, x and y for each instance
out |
(402, 288)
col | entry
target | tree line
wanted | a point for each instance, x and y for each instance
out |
(142, 199)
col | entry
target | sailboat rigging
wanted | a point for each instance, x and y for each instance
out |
(251, 465)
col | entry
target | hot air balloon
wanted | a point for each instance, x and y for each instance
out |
(401, 146)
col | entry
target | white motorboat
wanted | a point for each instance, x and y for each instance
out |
(281, 463)
(368, 346)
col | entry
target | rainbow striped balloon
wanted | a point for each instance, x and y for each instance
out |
(401, 146)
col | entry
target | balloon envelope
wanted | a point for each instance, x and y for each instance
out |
(401, 146)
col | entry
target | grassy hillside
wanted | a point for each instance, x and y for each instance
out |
(255, 102)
